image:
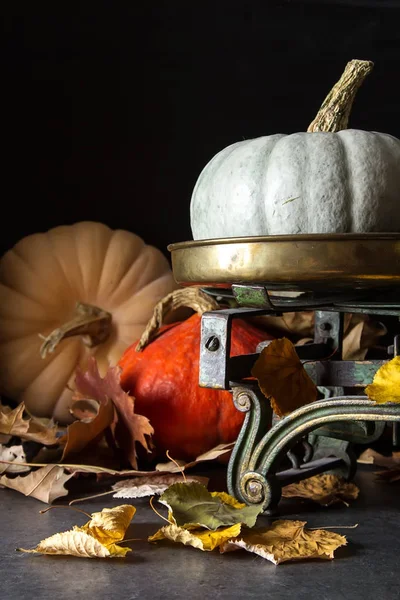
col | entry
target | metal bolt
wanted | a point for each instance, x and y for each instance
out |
(212, 344)
(254, 489)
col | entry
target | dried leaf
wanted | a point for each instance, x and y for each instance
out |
(205, 540)
(287, 540)
(81, 433)
(109, 525)
(282, 377)
(45, 484)
(13, 455)
(139, 487)
(12, 422)
(386, 384)
(129, 428)
(326, 489)
(361, 337)
(178, 465)
(85, 409)
(98, 538)
(192, 504)
(390, 475)
(371, 457)
(76, 543)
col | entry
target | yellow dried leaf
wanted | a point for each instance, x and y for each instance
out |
(77, 543)
(282, 377)
(287, 540)
(96, 539)
(203, 539)
(228, 499)
(326, 489)
(386, 384)
(109, 525)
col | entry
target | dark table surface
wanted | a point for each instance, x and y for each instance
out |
(368, 567)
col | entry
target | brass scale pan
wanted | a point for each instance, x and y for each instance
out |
(307, 262)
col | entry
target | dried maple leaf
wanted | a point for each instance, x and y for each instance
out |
(45, 484)
(282, 377)
(128, 427)
(287, 540)
(326, 489)
(203, 539)
(12, 422)
(139, 487)
(81, 433)
(98, 538)
(178, 465)
(386, 384)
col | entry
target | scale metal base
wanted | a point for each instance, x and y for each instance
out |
(331, 275)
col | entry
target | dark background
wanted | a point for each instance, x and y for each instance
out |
(111, 109)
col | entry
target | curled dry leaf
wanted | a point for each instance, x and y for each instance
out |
(128, 427)
(139, 487)
(287, 540)
(98, 538)
(12, 422)
(178, 466)
(45, 484)
(386, 384)
(81, 433)
(326, 489)
(282, 377)
(203, 539)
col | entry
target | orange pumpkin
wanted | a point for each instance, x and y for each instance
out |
(187, 419)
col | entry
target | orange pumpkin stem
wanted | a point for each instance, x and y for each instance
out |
(90, 322)
(193, 298)
(335, 109)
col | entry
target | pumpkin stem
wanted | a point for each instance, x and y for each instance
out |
(335, 109)
(90, 322)
(193, 298)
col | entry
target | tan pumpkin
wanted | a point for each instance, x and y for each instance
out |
(85, 288)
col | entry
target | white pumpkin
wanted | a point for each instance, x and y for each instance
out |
(68, 294)
(311, 182)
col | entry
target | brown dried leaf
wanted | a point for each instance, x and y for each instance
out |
(45, 484)
(128, 427)
(139, 487)
(282, 377)
(12, 422)
(287, 540)
(326, 489)
(371, 457)
(85, 409)
(178, 465)
(361, 337)
(81, 433)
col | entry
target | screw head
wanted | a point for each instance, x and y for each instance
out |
(212, 344)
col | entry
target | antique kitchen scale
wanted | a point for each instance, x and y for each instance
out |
(331, 275)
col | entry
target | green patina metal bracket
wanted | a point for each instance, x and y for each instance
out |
(253, 475)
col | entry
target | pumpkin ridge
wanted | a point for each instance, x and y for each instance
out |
(20, 257)
(58, 261)
(349, 183)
